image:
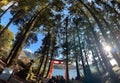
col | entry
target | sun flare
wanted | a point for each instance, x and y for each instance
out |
(107, 48)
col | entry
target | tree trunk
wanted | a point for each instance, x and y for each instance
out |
(81, 54)
(23, 38)
(77, 66)
(113, 9)
(95, 61)
(16, 43)
(99, 58)
(7, 26)
(76, 60)
(103, 56)
(116, 57)
(51, 58)
(116, 16)
(67, 69)
(44, 50)
(90, 26)
(7, 9)
(87, 66)
(45, 64)
(112, 34)
(108, 7)
(47, 56)
(41, 62)
(108, 25)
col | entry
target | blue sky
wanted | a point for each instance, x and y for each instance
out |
(13, 28)
(5, 19)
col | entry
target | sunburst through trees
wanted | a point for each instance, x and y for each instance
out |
(82, 32)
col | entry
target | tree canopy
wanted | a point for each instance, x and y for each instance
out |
(77, 30)
(6, 42)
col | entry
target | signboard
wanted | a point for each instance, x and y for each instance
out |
(6, 74)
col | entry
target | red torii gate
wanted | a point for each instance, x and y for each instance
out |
(52, 66)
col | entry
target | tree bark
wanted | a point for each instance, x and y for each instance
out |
(116, 57)
(87, 67)
(81, 54)
(96, 63)
(7, 9)
(7, 26)
(22, 40)
(47, 56)
(67, 69)
(99, 58)
(116, 16)
(103, 56)
(51, 57)
(76, 60)
(41, 62)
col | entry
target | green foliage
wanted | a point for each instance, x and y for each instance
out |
(84, 16)
(3, 2)
(6, 42)
(58, 5)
